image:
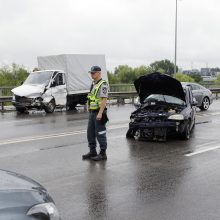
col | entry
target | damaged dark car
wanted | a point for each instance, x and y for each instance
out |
(166, 108)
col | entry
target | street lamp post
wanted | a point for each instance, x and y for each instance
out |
(175, 40)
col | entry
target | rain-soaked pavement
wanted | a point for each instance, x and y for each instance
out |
(176, 180)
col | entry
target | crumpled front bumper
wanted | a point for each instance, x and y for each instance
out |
(28, 104)
(157, 130)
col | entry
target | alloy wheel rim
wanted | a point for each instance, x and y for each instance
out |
(206, 103)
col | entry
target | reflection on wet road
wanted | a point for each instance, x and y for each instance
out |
(140, 180)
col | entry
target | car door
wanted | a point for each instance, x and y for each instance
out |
(59, 91)
(197, 93)
(193, 108)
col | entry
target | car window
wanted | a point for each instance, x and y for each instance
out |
(195, 87)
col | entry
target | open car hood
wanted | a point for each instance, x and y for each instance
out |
(157, 83)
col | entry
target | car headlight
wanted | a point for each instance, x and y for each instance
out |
(132, 120)
(13, 97)
(176, 117)
(47, 209)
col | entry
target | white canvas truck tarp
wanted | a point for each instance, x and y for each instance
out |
(76, 67)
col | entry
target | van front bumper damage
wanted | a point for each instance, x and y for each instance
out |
(28, 103)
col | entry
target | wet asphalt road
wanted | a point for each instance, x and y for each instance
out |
(176, 180)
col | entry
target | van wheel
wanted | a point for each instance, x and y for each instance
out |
(20, 110)
(50, 107)
(205, 104)
(71, 106)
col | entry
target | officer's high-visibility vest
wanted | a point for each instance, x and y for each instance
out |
(93, 101)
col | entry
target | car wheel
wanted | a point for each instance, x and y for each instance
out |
(50, 107)
(186, 132)
(205, 104)
(129, 133)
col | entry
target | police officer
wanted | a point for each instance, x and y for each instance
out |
(97, 99)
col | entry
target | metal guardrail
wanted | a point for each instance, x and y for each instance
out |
(119, 92)
(6, 91)
(4, 99)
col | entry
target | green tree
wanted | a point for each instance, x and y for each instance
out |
(183, 77)
(197, 77)
(218, 79)
(12, 75)
(163, 66)
(112, 78)
(125, 74)
(142, 70)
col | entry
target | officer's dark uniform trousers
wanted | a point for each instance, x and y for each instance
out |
(96, 129)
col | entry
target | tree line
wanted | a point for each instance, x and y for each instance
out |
(126, 74)
(14, 74)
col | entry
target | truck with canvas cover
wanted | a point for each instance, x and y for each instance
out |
(62, 80)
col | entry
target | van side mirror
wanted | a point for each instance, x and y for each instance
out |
(53, 83)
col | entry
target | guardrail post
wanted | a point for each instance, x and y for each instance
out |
(2, 105)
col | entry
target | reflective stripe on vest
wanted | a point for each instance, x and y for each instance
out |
(94, 101)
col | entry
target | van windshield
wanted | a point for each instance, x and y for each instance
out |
(39, 78)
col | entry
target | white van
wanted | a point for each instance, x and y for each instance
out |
(62, 81)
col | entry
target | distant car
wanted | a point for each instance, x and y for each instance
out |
(21, 198)
(165, 107)
(203, 96)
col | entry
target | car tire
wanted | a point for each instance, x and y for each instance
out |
(205, 104)
(50, 107)
(129, 133)
(186, 133)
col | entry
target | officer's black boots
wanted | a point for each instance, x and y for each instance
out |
(101, 156)
(89, 155)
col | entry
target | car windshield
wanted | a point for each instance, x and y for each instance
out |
(155, 98)
(38, 78)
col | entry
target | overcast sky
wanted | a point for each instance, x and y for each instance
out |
(133, 32)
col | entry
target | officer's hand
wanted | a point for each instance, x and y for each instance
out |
(99, 116)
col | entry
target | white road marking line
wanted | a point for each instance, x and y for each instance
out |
(34, 138)
(49, 136)
(115, 137)
(202, 151)
(207, 114)
(16, 121)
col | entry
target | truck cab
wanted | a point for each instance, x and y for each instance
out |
(41, 90)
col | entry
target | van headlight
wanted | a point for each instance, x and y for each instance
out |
(47, 209)
(176, 117)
